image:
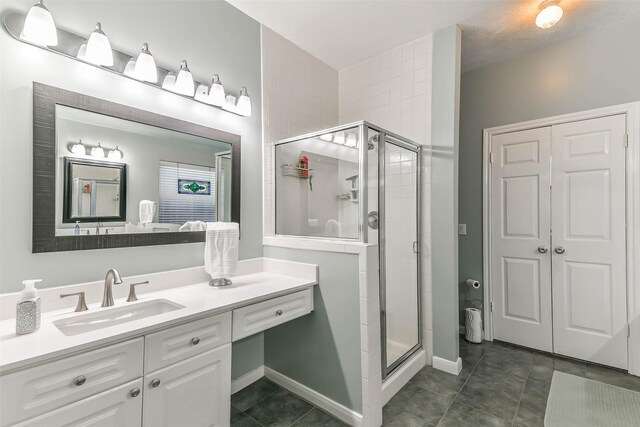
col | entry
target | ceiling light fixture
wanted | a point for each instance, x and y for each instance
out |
(146, 66)
(39, 27)
(550, 14)
(98, 48)
(244, 103)
(216, 92)
(184, 80)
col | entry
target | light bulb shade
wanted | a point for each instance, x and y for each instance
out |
(230, 103)
(97, 151)
(202, 93)
(145, 69)
(339, 138)
(99, 49)
(130, 68)
(78, 149)
(244, 103)
(82, 52)
(184, 81)
(549, 16)
(326, 137)
(352, 140)
(39, 27)
(169, 81)
(115, 154)
(216, 92)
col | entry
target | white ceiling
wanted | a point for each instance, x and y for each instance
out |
(344, 32)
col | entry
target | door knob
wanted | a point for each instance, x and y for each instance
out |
(559, 250)
(543, 249)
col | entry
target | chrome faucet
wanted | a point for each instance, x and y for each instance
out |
(98, 225)
(112, 277)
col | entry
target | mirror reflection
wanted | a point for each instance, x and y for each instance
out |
(117, 176)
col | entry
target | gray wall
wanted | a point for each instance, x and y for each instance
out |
(444, 190)
(322, 350)
(596, 70)
(212, 35)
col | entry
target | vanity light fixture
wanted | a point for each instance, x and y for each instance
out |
(82, 52)
(97, 151)
(230, 103)
(244, 103)
(327, 137)
(130, 68)
(169, 82)
(79, 149)
(39, 27)
(145, 68)
(550, 14)
(202, 93)
(115, 154)
(216, 92)
(184, 80)
(98, 48)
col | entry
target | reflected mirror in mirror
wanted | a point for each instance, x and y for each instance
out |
(117, 176)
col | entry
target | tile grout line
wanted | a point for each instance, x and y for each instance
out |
(304, 415)
(515, 414)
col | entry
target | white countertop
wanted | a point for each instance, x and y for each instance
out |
(199, 300)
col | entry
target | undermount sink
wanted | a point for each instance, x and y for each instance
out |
(114, 316)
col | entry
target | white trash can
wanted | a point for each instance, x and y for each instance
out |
(473, 325)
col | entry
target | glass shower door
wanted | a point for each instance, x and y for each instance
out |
(399, 260)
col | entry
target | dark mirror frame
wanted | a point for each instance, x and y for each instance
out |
(67, 206)
(45, 99)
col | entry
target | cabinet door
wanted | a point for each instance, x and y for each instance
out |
(195, 392)
(118, 407)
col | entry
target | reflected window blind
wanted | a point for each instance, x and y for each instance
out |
(177, 208)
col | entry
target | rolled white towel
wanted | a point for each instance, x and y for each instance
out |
(146, 211)
(221, 249)
(193, 226)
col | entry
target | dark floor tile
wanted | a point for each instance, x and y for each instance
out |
(318, 418)
(415, 406)
(544, 365)
(280, 408)
(438, 381)
(240, 419)
(252, 394)
(515, 361)
(460, 415)
(492, 390)
(613, 377)
(533, 404)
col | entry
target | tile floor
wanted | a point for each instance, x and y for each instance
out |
(500, 385)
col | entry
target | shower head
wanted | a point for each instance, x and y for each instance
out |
(372, 142)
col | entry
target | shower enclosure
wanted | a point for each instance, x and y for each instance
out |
(320, 193)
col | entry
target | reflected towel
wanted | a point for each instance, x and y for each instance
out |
(146, 211)
(221, 249)
(193, 226)
(332, 229)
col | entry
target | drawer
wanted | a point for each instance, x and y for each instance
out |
(37, 390)
(120, 407)
(180, 342)
(267, 314)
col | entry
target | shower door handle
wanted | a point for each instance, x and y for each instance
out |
(372, 220)
(416, 249)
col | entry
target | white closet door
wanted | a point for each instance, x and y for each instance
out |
(521, 264)
(589, 257)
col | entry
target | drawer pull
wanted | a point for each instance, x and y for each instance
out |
(195, 341)
(80, 380)
(155, 383)
(279, 313)
(134, 392)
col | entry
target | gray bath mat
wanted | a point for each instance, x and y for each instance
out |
(580, 402)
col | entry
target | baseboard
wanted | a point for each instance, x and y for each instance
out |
(402, 375)
(247, 379)
(336, 409)
(447, 365)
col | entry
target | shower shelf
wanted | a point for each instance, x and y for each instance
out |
(294, 171)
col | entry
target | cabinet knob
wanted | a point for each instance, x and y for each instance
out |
(134, 392)
(279, 313)
(195, 341)
(155, 382)
(80, 380)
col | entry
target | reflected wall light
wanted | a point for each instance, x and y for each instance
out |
(98, 48)
(202, 93)
(216, 92)
(230, 103)
(339, 138)
(184, 80)
(169, 82)
(130, 68)
(145, 68)
(327, 137)
(352, 140)
(243, 107)
(39, 27)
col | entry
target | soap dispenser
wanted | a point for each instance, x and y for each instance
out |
(28, 309)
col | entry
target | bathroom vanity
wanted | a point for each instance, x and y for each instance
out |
(164, 360)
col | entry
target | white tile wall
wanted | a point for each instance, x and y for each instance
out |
(393, 90)
(300, 95)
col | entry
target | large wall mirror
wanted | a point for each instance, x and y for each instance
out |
(108, 175)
